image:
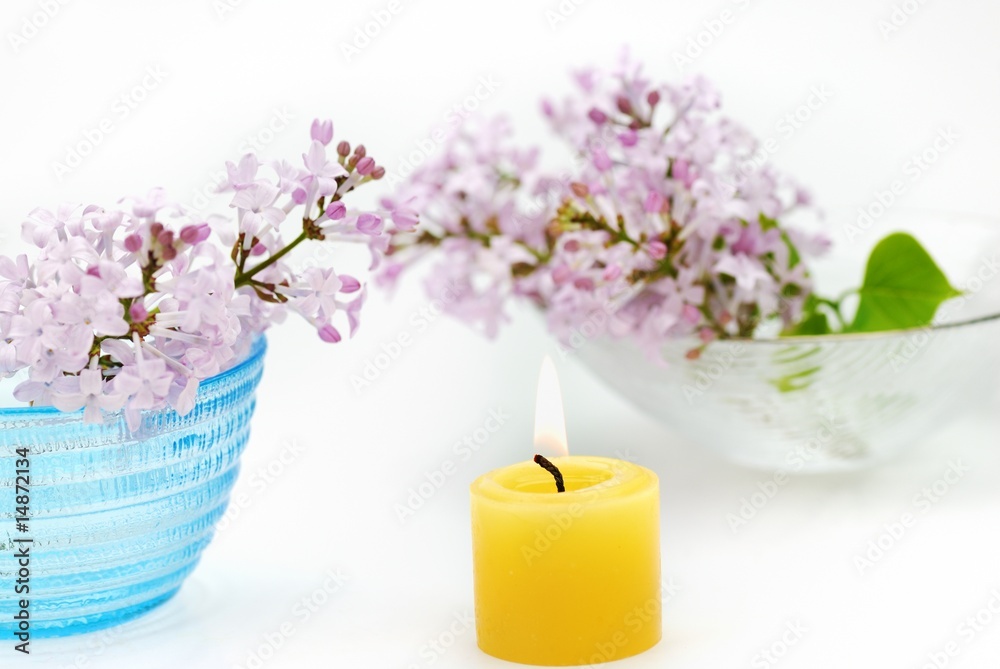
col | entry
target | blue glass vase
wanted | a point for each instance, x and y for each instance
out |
(117, 518)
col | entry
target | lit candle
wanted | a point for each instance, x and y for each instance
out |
(566, 577)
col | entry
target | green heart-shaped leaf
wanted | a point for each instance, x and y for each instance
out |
(903, 287)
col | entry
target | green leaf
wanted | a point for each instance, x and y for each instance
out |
(815, 323)
(795, 381)
(766, 223)
(903, 287)
(794, 258)
(812, 322)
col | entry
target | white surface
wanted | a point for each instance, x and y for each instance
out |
(332, 506)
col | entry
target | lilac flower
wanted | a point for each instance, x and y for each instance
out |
(146, 383)
(322, 131)
(653, 233)
(255, 203)
(317, 298)
(130, 309)
(240, 175)
(8, 359)
(44, 226)
(747, 272)
(183, 394)
(86, 391)
(290, 177)
(324, 172)
(149, 205)
(370, 224)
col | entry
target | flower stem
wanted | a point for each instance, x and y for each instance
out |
(243, 278)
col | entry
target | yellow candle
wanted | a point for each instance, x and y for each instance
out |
(567, 578)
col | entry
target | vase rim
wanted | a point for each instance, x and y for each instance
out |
(258, 347)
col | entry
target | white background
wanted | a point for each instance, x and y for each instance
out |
(232, 72)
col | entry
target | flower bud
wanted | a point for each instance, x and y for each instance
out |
(348, 284)
(329, 334)
(404, 219)
(322, 131)
(654, 203)
(611, 272)
(336, 210)
(365, 166)
(656, 249)
(561, 274)
(370, 224)
(602, 161)
(133, 243)
(138, 312)
(193, 234)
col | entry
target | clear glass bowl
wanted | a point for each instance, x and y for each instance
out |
(837, 401)
(118, 519)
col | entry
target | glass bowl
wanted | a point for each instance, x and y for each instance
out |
(836, 401)
(117, 519)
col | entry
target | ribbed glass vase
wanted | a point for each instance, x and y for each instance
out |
(118, 519)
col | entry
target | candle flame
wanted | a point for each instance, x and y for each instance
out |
(550, 421)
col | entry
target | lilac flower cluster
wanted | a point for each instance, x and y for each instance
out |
(130, 307)
(657, 230)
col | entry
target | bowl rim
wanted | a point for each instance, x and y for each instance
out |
(985, 221)
(862, 336)
(258, 347)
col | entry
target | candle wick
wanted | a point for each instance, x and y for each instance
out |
(552, 469)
